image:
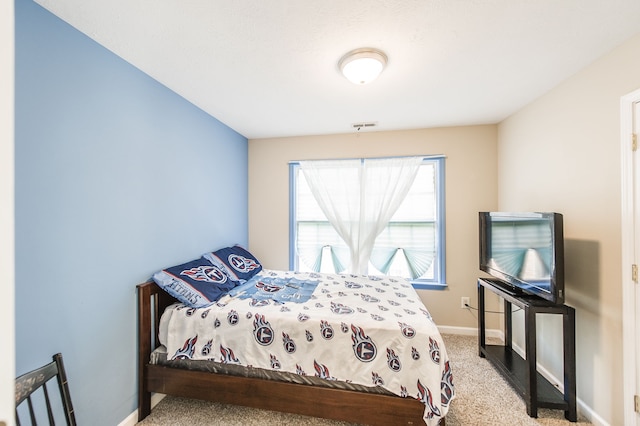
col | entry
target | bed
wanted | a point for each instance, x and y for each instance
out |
(185, 351)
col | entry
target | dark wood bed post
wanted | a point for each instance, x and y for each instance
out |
(152, 301)
(144, 350)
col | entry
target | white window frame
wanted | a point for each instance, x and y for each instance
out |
(438, 282)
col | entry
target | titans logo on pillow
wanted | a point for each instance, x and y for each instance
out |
(238, 263)
(196, 284)
(210, 274)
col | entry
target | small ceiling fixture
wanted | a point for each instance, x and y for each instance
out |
(362, 66)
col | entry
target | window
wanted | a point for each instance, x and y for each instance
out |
(411, 245)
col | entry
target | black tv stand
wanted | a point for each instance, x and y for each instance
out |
(521, 373)
(504, 287)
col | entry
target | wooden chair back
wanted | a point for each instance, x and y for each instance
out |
(36, 380)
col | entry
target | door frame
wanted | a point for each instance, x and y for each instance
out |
(7, 247)
(629, 234)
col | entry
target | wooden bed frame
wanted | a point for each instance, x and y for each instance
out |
(337, 404)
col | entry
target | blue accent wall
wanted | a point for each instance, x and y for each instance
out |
(116, 177)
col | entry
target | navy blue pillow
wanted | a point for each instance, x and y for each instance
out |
(196, 283)
(237, 262)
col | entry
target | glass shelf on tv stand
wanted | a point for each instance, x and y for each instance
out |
(538, 392)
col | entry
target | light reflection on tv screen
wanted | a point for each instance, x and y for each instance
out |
(521, 248)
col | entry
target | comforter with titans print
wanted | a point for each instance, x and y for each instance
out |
(372, 331)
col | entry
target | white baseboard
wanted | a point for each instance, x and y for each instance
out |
(470, 331)
(132, 418)
(582, 408)
(588, 413)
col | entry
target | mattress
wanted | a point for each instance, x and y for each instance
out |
(159, 357)
(373, 333)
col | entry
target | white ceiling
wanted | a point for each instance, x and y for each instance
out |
(268, 68)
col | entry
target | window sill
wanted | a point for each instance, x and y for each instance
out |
(428, 286)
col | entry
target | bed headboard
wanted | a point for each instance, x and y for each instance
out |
(152, 301)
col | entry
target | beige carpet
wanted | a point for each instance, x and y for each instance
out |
(483, 398)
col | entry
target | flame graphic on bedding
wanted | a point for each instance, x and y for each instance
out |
(241, 263)
(262, 330)
(424, 395)
(209, 274)
(393, 361)
(322, 371)
(446, 386)
(376, 379)
(268, 288)
(232, 317)
(363, 347)
(415, 354)
(308, 335)
(326, 330)
(275, 364)
(206, 349)
(300, 371)
(187, 350)
(340, 309)
(288, 343)
(303, 317)
(403, 391)
(228, 357)
(434, 351)
(369, 298)
(351, 284)
(407, 331)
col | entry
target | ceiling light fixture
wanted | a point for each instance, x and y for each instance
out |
(362, 66)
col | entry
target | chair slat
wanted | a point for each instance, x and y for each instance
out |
(32, 413)
(52, 422)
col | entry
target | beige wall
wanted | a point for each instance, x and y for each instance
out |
(562, 153)
(471, 186)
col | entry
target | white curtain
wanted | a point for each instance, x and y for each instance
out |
(359, 197)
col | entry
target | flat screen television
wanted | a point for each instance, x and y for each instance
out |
(525, 252)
